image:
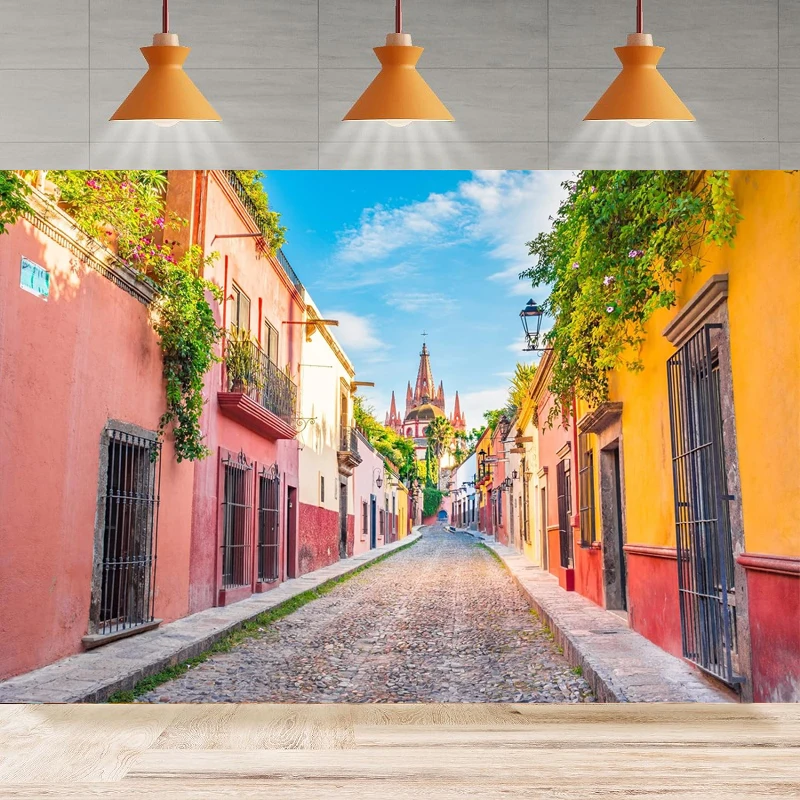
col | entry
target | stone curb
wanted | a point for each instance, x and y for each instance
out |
(638, 679)
(93, 676)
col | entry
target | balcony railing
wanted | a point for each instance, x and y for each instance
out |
(261, 223)
(263, 382)
(348, 441)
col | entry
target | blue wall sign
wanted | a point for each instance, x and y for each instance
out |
(34, 279)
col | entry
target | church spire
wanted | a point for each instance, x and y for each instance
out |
(440, 395)
(393, 420)
(457, 420)
(423, 391)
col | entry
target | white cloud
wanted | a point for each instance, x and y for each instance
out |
(383, 230)
(419, 301)
(359, 276)
(356, 333)
(473, 404)
(503, 210)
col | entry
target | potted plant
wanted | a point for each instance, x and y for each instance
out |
(242, 361)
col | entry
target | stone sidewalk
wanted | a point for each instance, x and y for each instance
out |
(619, 664)
(95, 675)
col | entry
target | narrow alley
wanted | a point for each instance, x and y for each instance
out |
(441, 621)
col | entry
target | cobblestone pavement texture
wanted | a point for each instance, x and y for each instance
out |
(440, 622)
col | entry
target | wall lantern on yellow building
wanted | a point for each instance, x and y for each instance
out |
(166, 94)
(398, 95)
(640, 95)
(531, 317)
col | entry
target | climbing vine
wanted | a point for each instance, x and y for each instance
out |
(13, 194)
(618, 246)
(126, 209)
(185, 323)
(251, 180)
(431, 500)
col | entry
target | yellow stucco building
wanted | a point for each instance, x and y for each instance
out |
(704, 444)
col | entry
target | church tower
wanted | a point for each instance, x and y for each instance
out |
(393, 419)
(424, 403)
(423, 391)
(457, 419)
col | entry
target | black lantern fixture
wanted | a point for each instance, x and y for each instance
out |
(379, 478)
(506, 484)
(514, 474)
(531, 317)
(505, 424)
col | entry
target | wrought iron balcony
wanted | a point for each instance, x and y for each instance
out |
(250, 374)
(348, 454)
(238, 187)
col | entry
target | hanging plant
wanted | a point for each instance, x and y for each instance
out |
(126, 209)
(619, 244)
(184, 321)
(13, 203)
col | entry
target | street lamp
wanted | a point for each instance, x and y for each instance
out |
(379, 479)
(531, 317)
(514, 474)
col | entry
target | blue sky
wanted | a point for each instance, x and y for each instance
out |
(393, 254)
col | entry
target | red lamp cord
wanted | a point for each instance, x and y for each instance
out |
(398, 16)
(639, 16)
(165, 16)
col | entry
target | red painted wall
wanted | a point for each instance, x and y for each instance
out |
(318, 538)
(589, 573)
(774, 605)
(68, 365)
(653, 608)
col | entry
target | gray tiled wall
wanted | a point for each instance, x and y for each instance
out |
(518, 75)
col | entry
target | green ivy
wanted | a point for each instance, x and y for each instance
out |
(129, 207)
(618, 246)
(431, 500)
(13, 191)
(252, 182)
(397, 449)
(184, 321)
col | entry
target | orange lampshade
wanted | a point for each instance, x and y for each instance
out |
(398, 94)
(166, 94)
(639, 95)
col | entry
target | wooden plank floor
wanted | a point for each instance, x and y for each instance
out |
(412, 752)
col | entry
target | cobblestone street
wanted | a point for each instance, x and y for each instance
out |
(441, 621)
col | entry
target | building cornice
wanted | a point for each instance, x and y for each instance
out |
(48, 218)
(692, 316)
(600, 418)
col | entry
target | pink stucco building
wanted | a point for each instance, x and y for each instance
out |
(245, 508)
(81, 394)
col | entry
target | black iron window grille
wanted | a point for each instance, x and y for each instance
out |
(269, 504)
(564, 528)
(364, 519)
(586, 504)
(702, 513)
(129, 533)
(382, 525)
(265, 383)
(237, 522)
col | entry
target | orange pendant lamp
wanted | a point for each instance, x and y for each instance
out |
(640, 95)
(166, 94)
(399, 94)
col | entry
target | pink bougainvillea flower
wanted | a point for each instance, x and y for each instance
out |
(635, 253)
(609, 309)
(160, 222)
(576, 265)
(92, 183)
(608, 280)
